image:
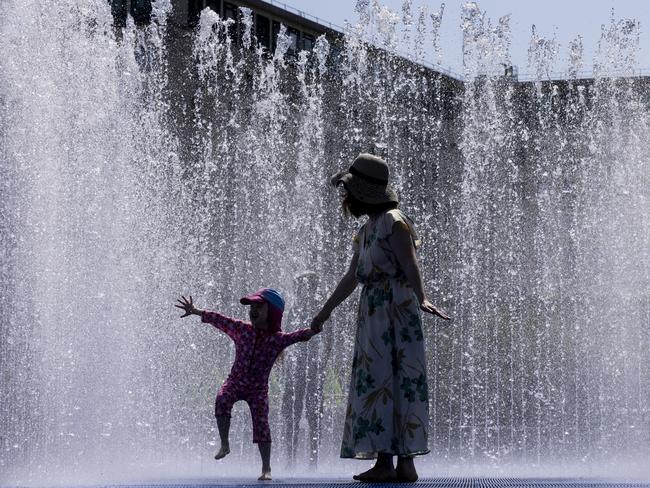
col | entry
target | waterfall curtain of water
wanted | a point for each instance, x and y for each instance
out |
(126, 181)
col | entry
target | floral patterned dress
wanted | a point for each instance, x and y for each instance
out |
(388, 407)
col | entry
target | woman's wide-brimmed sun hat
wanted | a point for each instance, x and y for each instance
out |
(367, 180)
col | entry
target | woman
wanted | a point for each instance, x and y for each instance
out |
(388, 407)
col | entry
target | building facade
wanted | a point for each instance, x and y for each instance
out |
(267, 18)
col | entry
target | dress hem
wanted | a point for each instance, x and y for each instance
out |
(373, 455)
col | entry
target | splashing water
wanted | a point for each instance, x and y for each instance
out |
(131, 174)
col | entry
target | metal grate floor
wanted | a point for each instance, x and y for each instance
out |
(422, 483)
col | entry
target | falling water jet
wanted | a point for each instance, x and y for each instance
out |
(531, 199)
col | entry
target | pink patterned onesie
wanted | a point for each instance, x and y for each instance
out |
(255, 353)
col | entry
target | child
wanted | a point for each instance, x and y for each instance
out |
(257, 345)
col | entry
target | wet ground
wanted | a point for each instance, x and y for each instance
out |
(423, 483)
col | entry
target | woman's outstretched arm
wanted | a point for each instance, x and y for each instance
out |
(401, 243)
(344, 289)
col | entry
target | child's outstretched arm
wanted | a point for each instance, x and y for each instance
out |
(226, 324)
(300, 335)
(188, 306)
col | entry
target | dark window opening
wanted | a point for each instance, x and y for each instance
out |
(274, 37)
(214, 5)
(194, 8)
(294, 39)
(263, 30)
(230, 11)
(119, 12)
(308, 42)
(141, 11)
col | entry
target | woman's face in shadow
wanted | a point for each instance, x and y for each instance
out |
(350, 205)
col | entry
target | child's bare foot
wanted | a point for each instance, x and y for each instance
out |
(266, 476)
(223, 452)
(377, 474)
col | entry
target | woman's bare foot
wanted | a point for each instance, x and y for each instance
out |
(266, 476)
(405, 470)
(377, 474)
(223, 452)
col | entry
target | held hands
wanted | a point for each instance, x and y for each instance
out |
(188, 306)
(428, 307)
(318, 320)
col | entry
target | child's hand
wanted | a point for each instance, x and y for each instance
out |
(318, 320)
(188, 306)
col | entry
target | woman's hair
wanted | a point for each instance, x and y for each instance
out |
(355, 207)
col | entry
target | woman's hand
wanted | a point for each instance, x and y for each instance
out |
(319, 319)
(428, 307)
(188, 306)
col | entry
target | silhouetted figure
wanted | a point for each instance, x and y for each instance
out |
(387, 413)
(257, 345)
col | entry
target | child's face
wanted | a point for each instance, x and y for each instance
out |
(258, 315)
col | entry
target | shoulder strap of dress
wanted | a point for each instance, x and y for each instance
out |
(417, 241)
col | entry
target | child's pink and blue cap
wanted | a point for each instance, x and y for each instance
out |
(276, 306)
(269, 295)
